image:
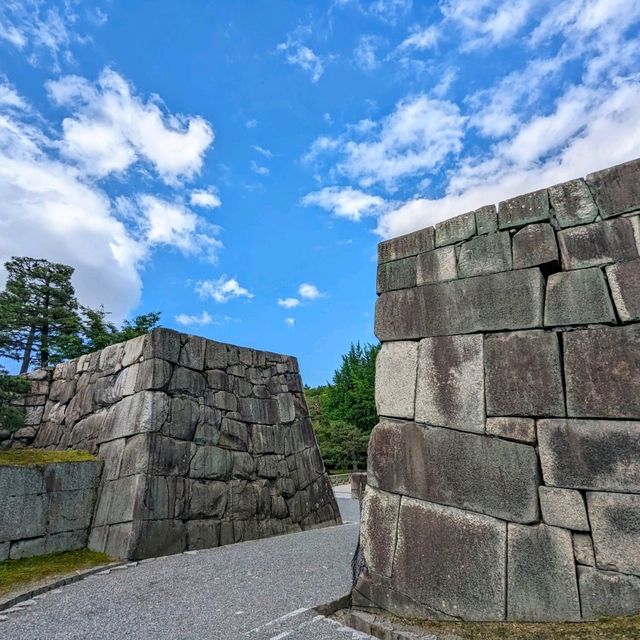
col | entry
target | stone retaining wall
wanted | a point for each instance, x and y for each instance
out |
(203, 443)
(504, 476)
(46, 508)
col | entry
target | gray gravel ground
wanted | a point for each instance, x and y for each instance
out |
(256, 590)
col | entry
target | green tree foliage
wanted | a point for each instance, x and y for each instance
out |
(11, 387)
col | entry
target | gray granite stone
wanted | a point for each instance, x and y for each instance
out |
(563, 508)
(624, 280)
(450, 384)
(396, 366)
(578, 297)
(583, 549)
(572, 203)
(604, 593)
(485, 254)
(378, 529)
(535, 245)
(212, 463)
(617, 189)
(499, 301)
(192, 352)
(597, 244)
(410, 244)
(512, 428)
(163, 344)
(70, 510)
(602, 372)
(153, 374)
(398, 274)
(455, 229)
(207, 499)
(19, 480)
(541, 575)
(615, 528)
(525, 209)
(203, 534)
(23, 516)
(602, 455)
(437, 265)
(28, 548)
(523, 374)
(487, 219)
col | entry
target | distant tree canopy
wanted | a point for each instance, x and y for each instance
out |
(42, 322)
(344, 412)
(11, 418)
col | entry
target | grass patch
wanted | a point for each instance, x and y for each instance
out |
(26, 457)
(15, 574)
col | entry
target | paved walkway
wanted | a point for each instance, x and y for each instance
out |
(258, 590)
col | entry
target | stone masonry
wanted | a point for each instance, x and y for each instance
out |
(504, 475)
(203, 444)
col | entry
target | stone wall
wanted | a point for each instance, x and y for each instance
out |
(203, 443)
(46, 508)
(504, 476)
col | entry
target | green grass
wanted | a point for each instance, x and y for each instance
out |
(17, 574)
(26, 457)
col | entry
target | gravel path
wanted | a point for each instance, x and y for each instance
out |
(256, 590)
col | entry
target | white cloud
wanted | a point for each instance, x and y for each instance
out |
(309, 291)
(388, 10)
(288, 303)
(422, 39)
(112, 128)
(319, 146)
(302, 56)
(265, 152)
(9, 97)
(251, 124)
(345, 202)
(290, 322)
(222, 290)
(207, 198)
(258, 169)
(365, 53)
(201, 320)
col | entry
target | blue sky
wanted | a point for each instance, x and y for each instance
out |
(234, 164)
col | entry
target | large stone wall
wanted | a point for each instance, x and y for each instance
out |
(204, 444)
(505, 472)
(46, 508)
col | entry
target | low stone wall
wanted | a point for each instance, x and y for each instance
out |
(203, 443)
(46, 508)
(504, 476)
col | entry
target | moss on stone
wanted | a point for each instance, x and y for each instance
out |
(27, 457)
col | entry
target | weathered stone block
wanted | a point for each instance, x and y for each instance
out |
(213, 463)
(65, 476)
(437, 266)
(23, 516)
(152, 374)
(69, 510)
(534, 245)
(207, 499)
(457, 469)
(485, 254)
(541, 575)
(410, 244)
(163, 344)
(28, 548)
(597, 244)
(396, 367)
(572, 203)
(602, 455)
(450, 386)
(398, 274)
(487, 219)
(602, 372)
(617, 189)
(234, 435)
(120, 500)
(603, 593)
(499, 301)
(615, 528)
(203, 534)
(159, 538)
(378, 529)
(20, 481)
(583, 549)
(624, 280)
(577, 297)
(456, 229)
(521, 210)
(140, 413)
(192, 352)
(512, 428)
(563, 508)
(451, 561)
(523, 374)
(259, 411)
(187, 381)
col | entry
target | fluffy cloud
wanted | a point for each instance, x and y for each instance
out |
(302, 56)
(201, 320)
(421, 39)
(290, 322)
(309, 291)
(222, 290)
(258, 169)
(207, 198)
(345, 202)
(365, 53)
(288, 303)
(112, 128)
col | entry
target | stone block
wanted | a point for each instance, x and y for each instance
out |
(534, 245)
(563, 508)
(378, 530)
(617, 189)
(215, 355)
(23, 517)
(410, 244)
(183, 418)
(192, 352)
(212, 463)
(485, 254)
(396, 366)
(583, 549)
(207, 499)
(512, 428)
(4, 551)
(67, 541)
(70, 510)
(457, 469)
(187, 381)
(495, 302)
(244, 466)
(159, 538)
(163, 344)
(72, 476)
(398, 274)
(140, 413)
(132, 351)
(451, 561)
(20, 480)
(259, 411)
(624, 280)
(597, 244)
(525, 209)
(234, 435)
(523, 374)
(120, 500)
(487, 219)
(578, 297)
(267, 439)
(436, 266)
(153, 374)
(203, 534)
(286, 408)
(602, 372)
(572, 203)
(603, 593)
(615, 528)
(450, 385)
(111, 455)
(456, 229)
(541, 575)
(28, 548)
(601, 455)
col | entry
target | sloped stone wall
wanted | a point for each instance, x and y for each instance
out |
(204, 444)
(504, 476)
